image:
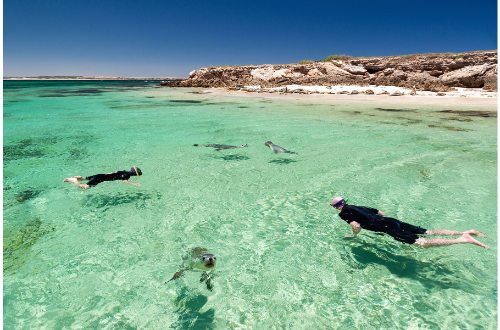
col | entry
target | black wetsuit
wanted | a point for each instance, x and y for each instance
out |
(369, 219)
(98, 178)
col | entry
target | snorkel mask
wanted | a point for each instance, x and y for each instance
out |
(135, 171)
(339, 203)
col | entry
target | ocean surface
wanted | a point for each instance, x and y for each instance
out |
(99, 258)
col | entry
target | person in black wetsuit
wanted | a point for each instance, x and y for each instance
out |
(374, 220)
(94, 180)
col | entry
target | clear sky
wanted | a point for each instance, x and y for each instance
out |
(171, 38)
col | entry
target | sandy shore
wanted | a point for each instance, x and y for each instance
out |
(381, 95)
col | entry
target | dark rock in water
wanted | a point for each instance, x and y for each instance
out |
(449, 128)
(17, 244)
(472, 113)
(457, 119)
(28, 148)
(27, 194)
(456, 129)
(425, 174)
(139, 106)
(85, 91)
(77, 153)
(72, 92)
(186, 101)
(410, 120)
(13, 152)
(395, 110)
(53, 95)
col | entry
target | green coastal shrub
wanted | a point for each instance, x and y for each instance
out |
(337, 57)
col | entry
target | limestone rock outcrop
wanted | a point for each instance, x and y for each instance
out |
(433, 72)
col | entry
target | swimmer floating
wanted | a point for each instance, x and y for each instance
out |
(374, 220)
(94, 180)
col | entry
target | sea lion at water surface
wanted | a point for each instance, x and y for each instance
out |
(200, 259)
(277, 149)
(220, 147)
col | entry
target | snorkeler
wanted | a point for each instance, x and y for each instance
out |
(374, 220)
(94, 180)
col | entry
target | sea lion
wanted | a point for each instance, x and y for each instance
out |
(199, 259)
(220, 147)
(277, 149)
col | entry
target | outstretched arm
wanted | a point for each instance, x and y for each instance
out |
(356, 228)
(132, 183)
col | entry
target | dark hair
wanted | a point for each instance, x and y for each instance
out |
(135, 171)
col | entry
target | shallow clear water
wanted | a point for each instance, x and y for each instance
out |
(99, 258)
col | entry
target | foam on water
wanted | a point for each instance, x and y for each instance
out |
(100, 258)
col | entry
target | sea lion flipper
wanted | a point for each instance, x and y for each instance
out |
(207, 278)
(210, 285)
(176, 275)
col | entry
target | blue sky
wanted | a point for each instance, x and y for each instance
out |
(171, 38)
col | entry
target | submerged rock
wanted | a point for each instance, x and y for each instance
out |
(17, 244)
(27, 194)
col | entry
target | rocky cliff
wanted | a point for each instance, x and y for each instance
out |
(437, 72)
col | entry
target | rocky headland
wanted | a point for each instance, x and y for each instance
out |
(436, 72)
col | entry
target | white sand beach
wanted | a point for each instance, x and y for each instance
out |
(379, 94)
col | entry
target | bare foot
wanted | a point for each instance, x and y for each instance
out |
(469, 239)
(474, 232)
(72, 180)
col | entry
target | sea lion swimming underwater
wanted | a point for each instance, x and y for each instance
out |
(220, 147)
(199, 259)
(277, 149)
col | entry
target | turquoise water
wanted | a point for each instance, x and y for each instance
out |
(99, 258)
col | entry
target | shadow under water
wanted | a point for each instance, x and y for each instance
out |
(104, 202)
(191, 316)
(282, 161)
(429, 273)
(234, 157)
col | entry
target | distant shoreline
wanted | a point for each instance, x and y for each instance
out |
(92, 78)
